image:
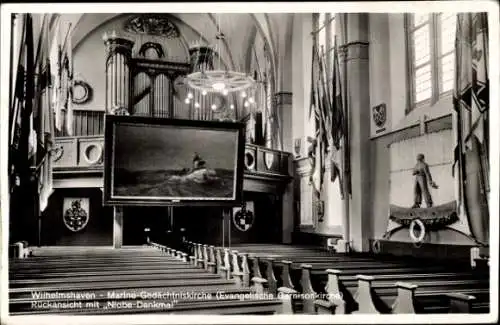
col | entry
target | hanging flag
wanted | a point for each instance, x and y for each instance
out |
(68, 66)
(315, 151)
(471, 110)
(44, 122)
(326, 101)
(338, 124)
(61, 57)
(26, 108)
(337, 113)
(56, 51)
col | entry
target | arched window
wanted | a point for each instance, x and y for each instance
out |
(324, 37)
(324, 25)
(431, 39)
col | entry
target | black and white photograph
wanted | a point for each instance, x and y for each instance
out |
(270, 162)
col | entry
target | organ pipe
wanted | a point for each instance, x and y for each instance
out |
(118, 55)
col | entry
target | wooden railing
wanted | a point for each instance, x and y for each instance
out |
(86, 153)
(85, 123)
(83, 151)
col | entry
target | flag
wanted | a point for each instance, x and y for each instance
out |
(471, 109)
(338, 125)
(61, 58)
(315, 148)
(68, 66)
(56, 64)
(44, 117)
(325, 104)
(338, 120)
(24, 122)
(16, 110)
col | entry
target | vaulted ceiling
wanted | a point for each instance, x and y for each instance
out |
(243, 31)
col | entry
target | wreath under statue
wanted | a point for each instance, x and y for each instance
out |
(434, 218)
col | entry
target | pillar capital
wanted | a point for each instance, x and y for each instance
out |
(118, 55)
(354, 50)
(283, 98)
(303, 167)
(115, 44)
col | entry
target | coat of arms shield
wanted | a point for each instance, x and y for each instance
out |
(75, 213)
(268, 159)
(379, 115)
(243, 217)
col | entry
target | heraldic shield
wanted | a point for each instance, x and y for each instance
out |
(243, 218)
(379, 115)
(75, 216)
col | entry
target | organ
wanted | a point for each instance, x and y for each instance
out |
(140, 85)
(149, 84)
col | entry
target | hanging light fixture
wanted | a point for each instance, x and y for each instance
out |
(216, 78)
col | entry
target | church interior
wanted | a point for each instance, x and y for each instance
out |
(249, 163)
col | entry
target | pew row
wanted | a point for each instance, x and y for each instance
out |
(143, 281)
(371, 285)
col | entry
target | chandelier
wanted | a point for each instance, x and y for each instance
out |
(222, 81)
(211, 76)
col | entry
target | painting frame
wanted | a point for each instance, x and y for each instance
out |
(111, 121)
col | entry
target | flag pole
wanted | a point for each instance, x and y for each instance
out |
(459, 148)
(11, 64)
(345, 149)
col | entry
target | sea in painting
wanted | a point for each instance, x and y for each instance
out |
(200, 183)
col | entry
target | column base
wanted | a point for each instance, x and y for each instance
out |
(117, 227)
(306, 235)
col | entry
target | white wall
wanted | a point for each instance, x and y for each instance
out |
(394, 151)
(381, 75)
(301, 75)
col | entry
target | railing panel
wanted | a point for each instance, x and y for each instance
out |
(79, 152)
(85, 123)
(87, 152)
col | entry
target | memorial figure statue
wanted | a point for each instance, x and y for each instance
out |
(423, 178)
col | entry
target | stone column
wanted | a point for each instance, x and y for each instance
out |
(303, 170)
(358, 104)
(301, 76)
(283, 106)
(117, 227)
(118, 55)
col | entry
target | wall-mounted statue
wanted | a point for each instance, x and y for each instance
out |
(423, 179)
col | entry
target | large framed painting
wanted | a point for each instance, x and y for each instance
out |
(152, 161)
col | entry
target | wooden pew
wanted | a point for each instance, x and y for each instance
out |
(421, 298)
(101, 282)
(310, 279)
(386, 294)
(304, 284)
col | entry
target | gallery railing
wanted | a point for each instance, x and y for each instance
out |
(84, 154)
